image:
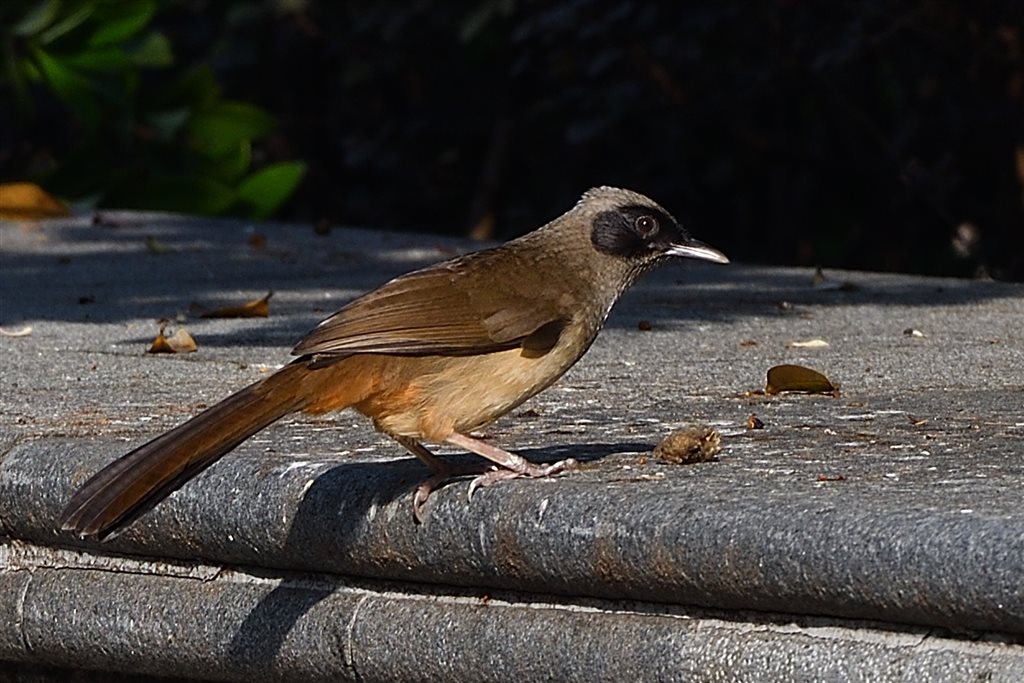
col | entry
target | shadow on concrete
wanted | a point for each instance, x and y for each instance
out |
(339, 499)
(120, 279)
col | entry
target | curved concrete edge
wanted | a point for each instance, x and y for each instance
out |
(575, 536)
(211, 623)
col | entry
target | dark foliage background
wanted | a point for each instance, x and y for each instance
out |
(884, 134)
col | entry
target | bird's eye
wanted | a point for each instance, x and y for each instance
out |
(646, 225)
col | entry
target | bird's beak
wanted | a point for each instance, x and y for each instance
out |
(699, 250)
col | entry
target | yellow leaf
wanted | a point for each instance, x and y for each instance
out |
(257, 308)
(28, 202)
(797, 378)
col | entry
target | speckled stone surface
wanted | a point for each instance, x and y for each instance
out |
(901, 501)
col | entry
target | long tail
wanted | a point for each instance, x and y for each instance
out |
(137, 481)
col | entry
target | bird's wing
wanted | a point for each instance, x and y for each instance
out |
(470, 305)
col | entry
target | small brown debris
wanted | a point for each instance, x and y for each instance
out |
(155, 246)
(820, 281)
(180, 342)
(257, 240)
(257, 308)
(797, 378)
(645, 326)
(917, 421)
(754, 422)
(530, 413)
(808, 344)
(748, 342)
(690, 445)
(832, 477)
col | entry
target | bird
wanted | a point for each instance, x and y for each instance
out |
(431, 355)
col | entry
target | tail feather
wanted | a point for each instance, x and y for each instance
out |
(137, 481)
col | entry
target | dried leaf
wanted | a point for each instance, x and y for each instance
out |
(17, 332)
(797, 378)
(28, 202)
(808, 344)
(694, 444)
(820, 281)
(180, 342)
(257, 308)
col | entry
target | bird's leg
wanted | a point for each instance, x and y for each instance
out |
(443, 472)
(510, 465)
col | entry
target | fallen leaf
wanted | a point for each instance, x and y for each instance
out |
(28, 202)
(17, 332)
(797, 378)
(180, 342)
(820, 281)
(155, 246)
(691, 445)
(809, 344)
(257, 308)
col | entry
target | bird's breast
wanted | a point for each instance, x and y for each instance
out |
(432, 396)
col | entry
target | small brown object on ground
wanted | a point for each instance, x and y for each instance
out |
(754, 422)
(690, 445)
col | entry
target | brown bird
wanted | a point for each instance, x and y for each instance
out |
(431, 355)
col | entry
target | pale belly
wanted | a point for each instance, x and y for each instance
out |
(464, 393)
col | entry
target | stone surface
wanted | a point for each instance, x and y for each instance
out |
(900, 501)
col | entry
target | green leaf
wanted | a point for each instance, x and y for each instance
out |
(36, 19)
(185, 194)
(169, 121)
(98, 59)
(70, 86)
(219, 128)
(153, 50)
(125, 19)
(196, 89)
(266, 189)
(68, 23)
(233, 165)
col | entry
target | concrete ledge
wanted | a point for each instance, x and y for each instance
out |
(878, 535)
(578, 536)
(161, 619)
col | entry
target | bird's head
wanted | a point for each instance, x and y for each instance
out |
(633, 227)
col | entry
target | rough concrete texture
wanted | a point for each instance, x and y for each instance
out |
(900, 500)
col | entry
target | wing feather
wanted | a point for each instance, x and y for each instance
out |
(470, 305)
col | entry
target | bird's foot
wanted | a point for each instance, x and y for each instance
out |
(496, 474)
(443, 473)
(505, 466)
